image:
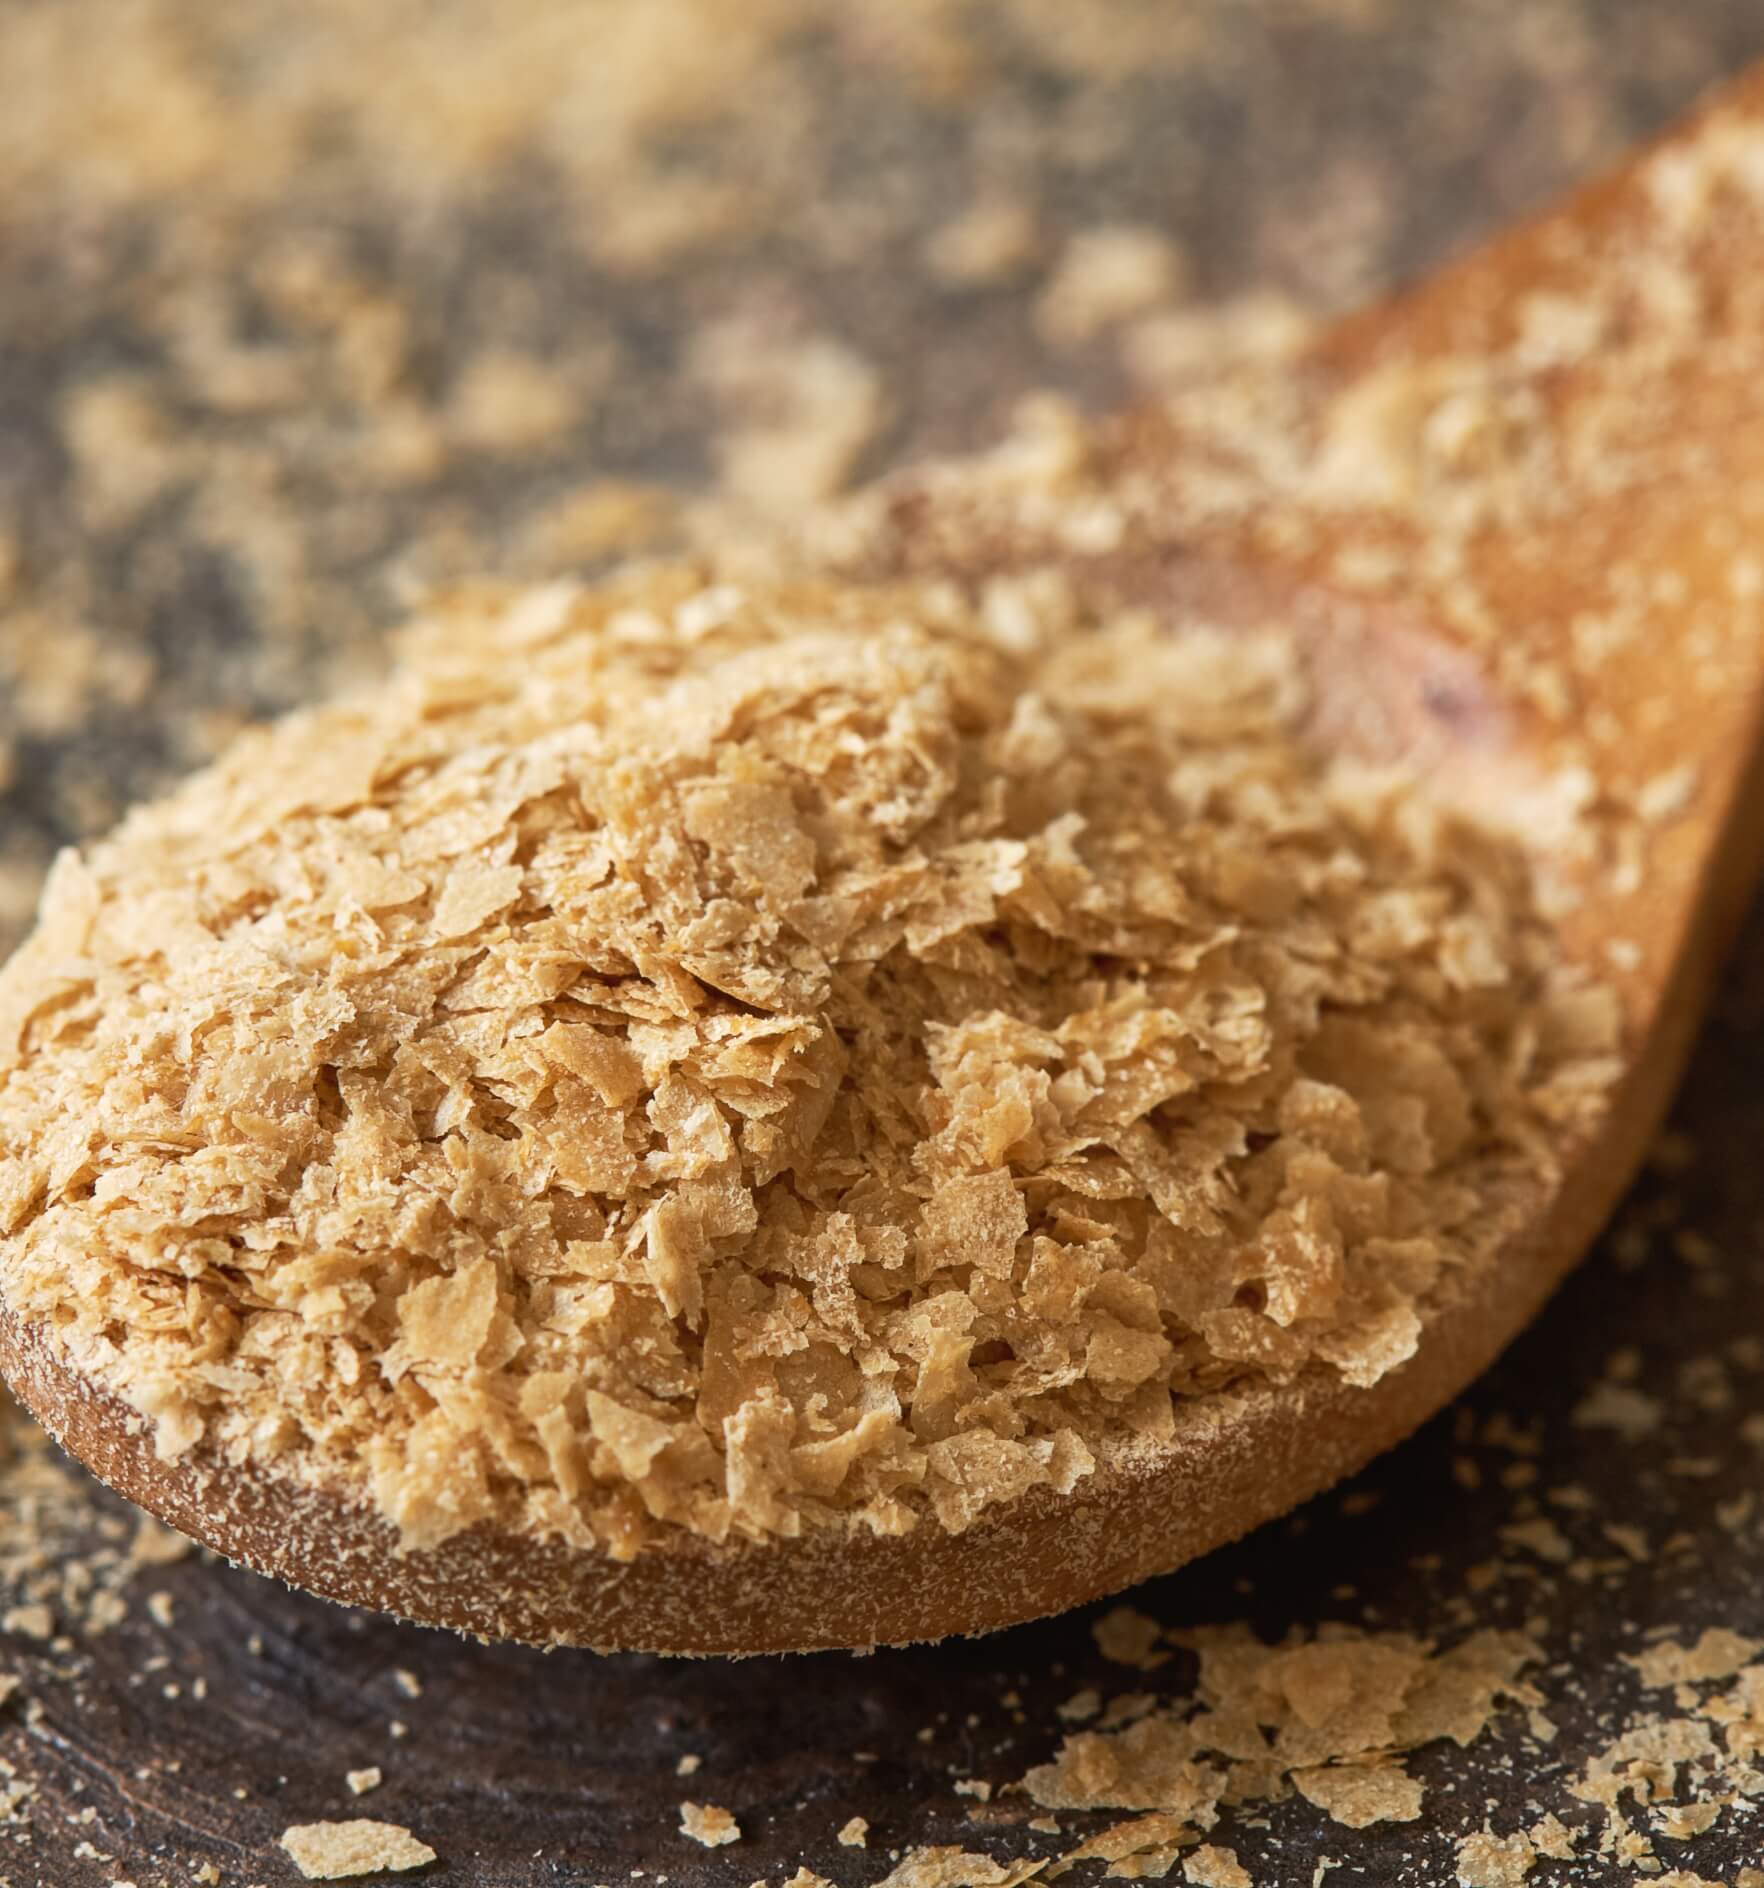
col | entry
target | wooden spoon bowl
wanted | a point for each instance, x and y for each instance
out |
(1509, 516)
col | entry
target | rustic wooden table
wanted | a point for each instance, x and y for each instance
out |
(299, 307)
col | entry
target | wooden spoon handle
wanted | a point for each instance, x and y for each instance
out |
(1515, 510)
(1585, 514)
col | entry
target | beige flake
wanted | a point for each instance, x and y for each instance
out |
(950, 1867)
(707, 1823)
(1214, 1867)
(1490, 1861)
(445, 1320)
(1359, 1797)
(334, 1851)
(1127, 1637)
(1107, 276)
(472, 895)
(1718, 1653)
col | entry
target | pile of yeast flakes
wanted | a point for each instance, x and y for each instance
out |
(676, 1058)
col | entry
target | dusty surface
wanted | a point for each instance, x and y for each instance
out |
(258, 373)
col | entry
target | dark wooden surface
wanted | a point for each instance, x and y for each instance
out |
(1324, 148)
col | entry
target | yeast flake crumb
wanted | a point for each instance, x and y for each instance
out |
(948, 1866)
(1357, 1796)
(1143, 1845)
(1718, 1653)
(1326, 1713)
(335, 1851)
(1126, 1636)
(1214, 1867)
(1486, 1860)
(32, 1620)
(706, 1823)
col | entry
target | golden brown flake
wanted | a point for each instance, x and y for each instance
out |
(1213, 1867)
(1490, 1861)
(334, 1851)
(1126, 1636)
(707, 1823)
(950, 1867)
(1718, 1653)
(994, 238)
(1107, 276)
(1357, 1796)
(1329, 1714)
(1143, 1845)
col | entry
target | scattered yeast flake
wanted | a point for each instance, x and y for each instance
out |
(1718, 1653)
(709, 1824)
(994, 238)
(1211, 1866)
(1486, 1860)
(1551, 1837)
(335, 1851)
(1106, 276)
(1141, 1845)
(947, 1866)
(1540, 1536)
(854, 1834)
(1631, 1413)
(1683, 1822)
(156, 1545)
(1357, 1797)
(1126, 1636)
(1325, 1713)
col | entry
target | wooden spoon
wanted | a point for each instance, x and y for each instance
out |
(1511, 514)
